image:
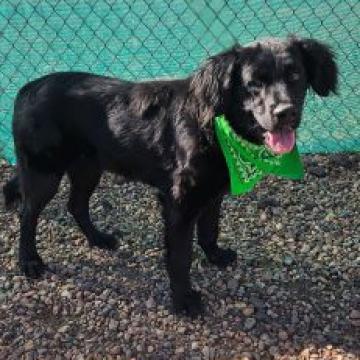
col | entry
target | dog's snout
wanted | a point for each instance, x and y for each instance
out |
(285, 114)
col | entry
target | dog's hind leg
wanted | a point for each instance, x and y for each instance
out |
(208, 232)
(84, 176)
(11, 191)
(37, 190)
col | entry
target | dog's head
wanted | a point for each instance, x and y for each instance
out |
(261, 87)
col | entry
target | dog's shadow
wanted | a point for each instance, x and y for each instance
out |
(310, 314)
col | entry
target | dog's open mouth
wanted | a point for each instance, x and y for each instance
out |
(280, 141)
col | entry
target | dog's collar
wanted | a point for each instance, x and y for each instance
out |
(248, 163)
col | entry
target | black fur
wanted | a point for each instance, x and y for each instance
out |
(320, 66)
(158, 132)
(11, 191)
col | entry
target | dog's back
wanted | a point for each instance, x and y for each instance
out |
(64, 116)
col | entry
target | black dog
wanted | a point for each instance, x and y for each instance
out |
(161, 133)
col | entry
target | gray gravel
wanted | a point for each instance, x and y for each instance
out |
(294, 293)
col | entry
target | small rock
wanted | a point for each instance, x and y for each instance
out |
(116, 350)
(194, 345)
(63, 329)
(248, 311)
(249, 323)
(206, 352)
(355, 317)
(241, 291)
(66, 294)
(271, 289)
(279, 226)
(55, 309)
(305, 248)
(265, 338)
(232, 284)
(31, 355)
(113, 324)
(150, 303)
(29, 345)
(248, 356)
(305, 354)
(263, 216)
(274, 350)
(288, 260)
(42, 352)
(179, 350)
(181, 329)
(283, 335)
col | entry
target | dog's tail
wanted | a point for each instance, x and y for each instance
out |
(11, 192)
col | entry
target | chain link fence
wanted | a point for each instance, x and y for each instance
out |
(138, 39)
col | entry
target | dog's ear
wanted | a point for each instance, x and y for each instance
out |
(320, 66)
(210, 83)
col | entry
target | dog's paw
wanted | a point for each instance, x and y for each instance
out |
(189, 303)
(104, 241)
(32, 267)
(221, 257)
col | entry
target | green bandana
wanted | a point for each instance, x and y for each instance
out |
(249, 163)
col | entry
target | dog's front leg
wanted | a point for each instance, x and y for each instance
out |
(208, 233)
(179, 229)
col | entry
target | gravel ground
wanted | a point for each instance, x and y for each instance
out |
(293, 294)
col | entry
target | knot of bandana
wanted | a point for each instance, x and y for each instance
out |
(249, 163)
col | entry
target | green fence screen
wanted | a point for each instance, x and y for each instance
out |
(138, 39)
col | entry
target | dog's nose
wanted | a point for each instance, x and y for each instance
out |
(285, 114)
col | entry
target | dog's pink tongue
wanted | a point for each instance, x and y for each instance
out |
(280, 142)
